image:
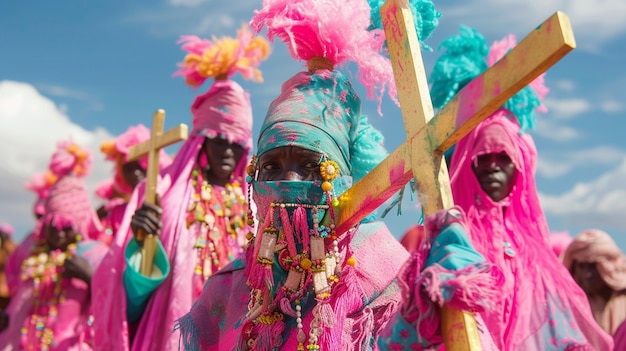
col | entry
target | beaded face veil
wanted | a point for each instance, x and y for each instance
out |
(296, 234)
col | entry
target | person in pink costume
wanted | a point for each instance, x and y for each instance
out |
(40, 184)
(7, 247)
(202, 205)
(126, 175)
(493, 179)
(50, 305)
(599, 267)
(492, 174)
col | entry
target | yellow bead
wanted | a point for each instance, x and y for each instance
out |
(249, 236)
(351, 261)
(305, 263)
(326, 186)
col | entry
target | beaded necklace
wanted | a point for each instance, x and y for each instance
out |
(44, 269)
(217, 216)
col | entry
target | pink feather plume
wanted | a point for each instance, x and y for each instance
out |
(334, 29)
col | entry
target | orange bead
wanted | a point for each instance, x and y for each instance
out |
(351, 261)
(326, 186)
(305, 263)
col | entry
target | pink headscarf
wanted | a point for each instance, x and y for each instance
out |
(117, 151)
(224, 110)
(596, 246)
(7, 229)
(68, 202)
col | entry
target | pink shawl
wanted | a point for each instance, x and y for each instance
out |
(534, 277)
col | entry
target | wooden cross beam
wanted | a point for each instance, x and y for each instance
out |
(428, 137)
(152, 147)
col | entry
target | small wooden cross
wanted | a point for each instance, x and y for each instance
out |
(152, 147)
(428, 137)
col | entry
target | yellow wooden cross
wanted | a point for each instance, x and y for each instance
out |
(152, 147)
(428, 137)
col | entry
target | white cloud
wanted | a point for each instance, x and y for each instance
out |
(567, 108)
(56, 90)
(193, 17)
(63, 92)
(594, 22)
(611, 106)
(186, 3)
(552, 169)
(31, 126)
(597, 203)
(556, 131)
(565, 85)
(553, 165)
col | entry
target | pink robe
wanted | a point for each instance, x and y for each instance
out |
(175, 296)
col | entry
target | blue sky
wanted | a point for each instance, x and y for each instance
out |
(91, 69)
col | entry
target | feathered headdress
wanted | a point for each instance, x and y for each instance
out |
(467, 56)
(222, 57)
(333, 30)
(68, 203)
(70, 159)
(224, 110)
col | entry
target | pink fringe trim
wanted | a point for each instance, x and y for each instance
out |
(475, 288)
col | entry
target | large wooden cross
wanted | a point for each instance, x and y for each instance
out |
(428, 137)
(152, 147)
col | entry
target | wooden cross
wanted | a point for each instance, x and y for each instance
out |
(152, 147)
(428, 137)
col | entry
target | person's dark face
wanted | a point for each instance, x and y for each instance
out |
(133, 173)
(59, 239)
(496, 174)
(223, 158)
(587, 276)
(289, 163)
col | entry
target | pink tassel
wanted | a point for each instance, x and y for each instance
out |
(301, 227)
(346, 299)
(289, 232)
(325, 314)
(475, 288)
(260, 276)
(269, 336)
(285, 306)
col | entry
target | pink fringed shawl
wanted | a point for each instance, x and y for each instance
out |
(534, 278)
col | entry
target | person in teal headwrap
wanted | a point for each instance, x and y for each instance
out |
(301, 284)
